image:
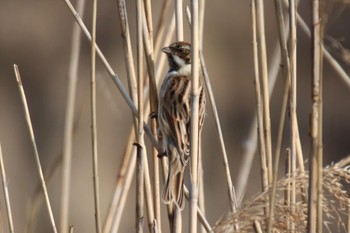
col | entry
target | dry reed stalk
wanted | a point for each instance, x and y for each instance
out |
(153, 97)
(35, 202)
(200, 215)
(286, 72)
(71, 229)
(293, 101)
(201, 23)
(177, 228)
(35, 148)
(162, 24)
(139, 189)
(140, 133)
(6, 193)
(128, 56)
(122, 183)
(315, 187)
(149, 21)
(264, 172)
(265, 91)
(232, 196)
(195, 92)
(201, 193)
(94, 122)
(69, 122)
(287, 193)
(179, 20)
(257, 227)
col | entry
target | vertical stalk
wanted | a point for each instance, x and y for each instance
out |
(94, 120)
(265, 91)
(6, 193)
(35, 148)
(195, 92)
(264, 173)
(139, 189)
(293, 100)
(179, 37)
(315, 183)
(140, 140)
(153, 98)
(201, 194)
(128, 56)
(179, 20)
(69, 122)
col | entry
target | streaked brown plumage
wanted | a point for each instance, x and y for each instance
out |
(174, 117)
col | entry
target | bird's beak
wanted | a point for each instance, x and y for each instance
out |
(166, 50)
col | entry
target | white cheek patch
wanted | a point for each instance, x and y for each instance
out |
(178, 60)
(184, 69)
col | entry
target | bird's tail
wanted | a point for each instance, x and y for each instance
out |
(173, 188)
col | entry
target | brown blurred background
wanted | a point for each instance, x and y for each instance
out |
(36, 35)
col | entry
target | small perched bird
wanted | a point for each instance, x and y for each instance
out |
(174, 117)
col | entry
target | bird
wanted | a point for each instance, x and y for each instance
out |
(174, 118)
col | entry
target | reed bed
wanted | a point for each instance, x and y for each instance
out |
(302, 200)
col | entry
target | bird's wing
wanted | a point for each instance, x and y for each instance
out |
(176, 107)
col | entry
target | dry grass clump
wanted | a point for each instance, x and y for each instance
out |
(335, 204)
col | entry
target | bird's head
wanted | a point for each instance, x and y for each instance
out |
(179, 57)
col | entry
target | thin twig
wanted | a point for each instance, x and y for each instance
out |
(179, 20)
(259, 110)
(140, 133)
(128, 55)
(201, 193)
(265, 91)
(36, 153)
(286, 72)
(175, 212)
(6, 192)
(293, 101)
(153, 97)
(94, 121)
(195, 92)
(69, 121)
